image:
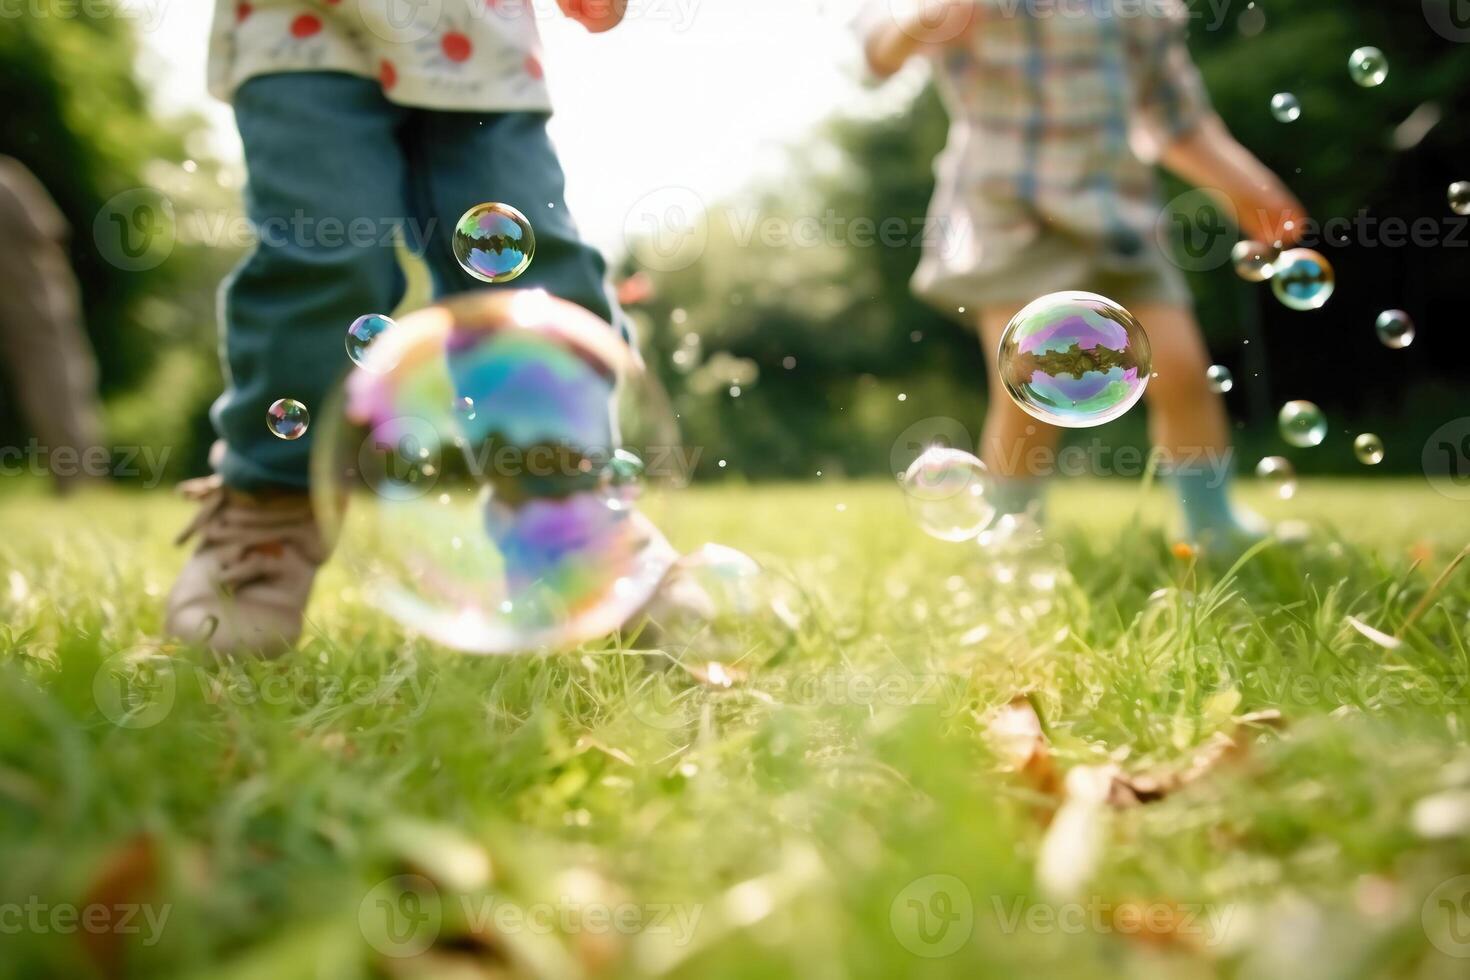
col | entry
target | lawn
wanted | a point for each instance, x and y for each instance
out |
(1107, 757)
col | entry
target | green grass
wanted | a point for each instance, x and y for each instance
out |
(775, 828)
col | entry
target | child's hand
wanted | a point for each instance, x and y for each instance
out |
(928, 26)
(1211, 159)
(595, 15)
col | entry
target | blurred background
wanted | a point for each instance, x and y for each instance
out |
(739, 129)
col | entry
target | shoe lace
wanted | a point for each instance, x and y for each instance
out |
(251, 538)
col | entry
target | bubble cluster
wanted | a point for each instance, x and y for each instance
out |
(1277, 473)
(1459, 197)
(1395, 329)
(1285, 107)
(1368, 67)
(1253, 261)
(502, 513)
(287, 419)
(1304, 279)
(946, 491)
(1074, 359)
(1219, 378)
(494, 242)
(1302, 424)
(1369, 449)
(362, 333)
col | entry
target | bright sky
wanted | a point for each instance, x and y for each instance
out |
(697, 94)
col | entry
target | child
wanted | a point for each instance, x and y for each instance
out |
(1044, 186)
(358, 118)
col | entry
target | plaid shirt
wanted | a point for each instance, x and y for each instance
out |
(1058, 109)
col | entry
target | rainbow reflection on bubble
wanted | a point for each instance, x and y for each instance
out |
(494, 242)
(511, 528)
(1074, 359)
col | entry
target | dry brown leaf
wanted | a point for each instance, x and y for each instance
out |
(1160, 924)
(1016, 732)
(127, 878)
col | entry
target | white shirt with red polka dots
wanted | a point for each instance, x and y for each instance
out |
(470, 55)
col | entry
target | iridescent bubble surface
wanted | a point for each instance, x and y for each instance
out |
(1369, 449)
(1304, 279)
(477, 441)
(1253, 261)
(494, 242)
(946, 491)
(1302, 424)
(363, 332)
(1395, 329)
(1368, 67)
(1219, 378)
(1285, 107)
(287, 419)
(1074, 359)
(1278, 474)
(1459, 197)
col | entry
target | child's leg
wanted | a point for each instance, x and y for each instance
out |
(461, 159)
(327, 183)
(1018, 449)
(1187, 421)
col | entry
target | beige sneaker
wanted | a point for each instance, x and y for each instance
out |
(245, 589)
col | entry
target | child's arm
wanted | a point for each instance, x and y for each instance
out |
(892, 40)
(1210, 158)
(595, 15)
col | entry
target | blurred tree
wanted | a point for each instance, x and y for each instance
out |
(77, 117)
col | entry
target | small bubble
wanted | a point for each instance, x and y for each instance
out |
(1253, 261)
(494, 242)
(1302, 424)
(1304, 279)
(1368, 67)
(1219, 379)
(1285, 107)
(362, 334)
(1278, 474)
(1459, 197)
(287, 419)
(1369, 449)
(1395, 329)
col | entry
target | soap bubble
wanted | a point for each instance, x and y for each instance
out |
(1285, 107)
(1253, 261)
(718, 600)
(1074, 359)
(1395, 329)
(1369, 449)
(947, 494)
(1219, 379)
(1368, 67)
(1278, 474)
(1302, 424)
(362, 333)
(287, 419)
(494, 242)
(498, 510)
(1459, 197)
(1304, 279)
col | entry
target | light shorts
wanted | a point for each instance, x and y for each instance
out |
(1050, 263)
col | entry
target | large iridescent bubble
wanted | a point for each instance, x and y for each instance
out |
(498, 489)
(1075, 359)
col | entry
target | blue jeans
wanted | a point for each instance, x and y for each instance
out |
(336, 170)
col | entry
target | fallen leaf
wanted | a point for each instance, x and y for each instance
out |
(126, 880)
(1376, 636)
(1020, 740)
